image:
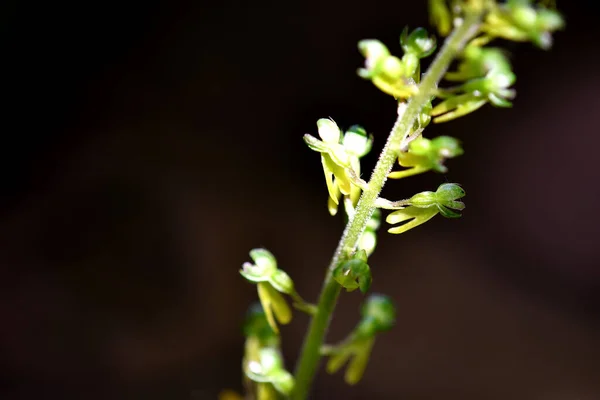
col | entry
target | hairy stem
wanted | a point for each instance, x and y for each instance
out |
(407, 114)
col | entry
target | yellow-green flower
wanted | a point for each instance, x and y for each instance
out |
(378, 315)
(340, 156)
(270, 281)
(425, 155)
(521, 21)
(423, 206)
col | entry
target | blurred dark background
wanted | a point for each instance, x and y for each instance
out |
(147, 147)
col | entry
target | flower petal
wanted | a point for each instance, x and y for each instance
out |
(328, 131)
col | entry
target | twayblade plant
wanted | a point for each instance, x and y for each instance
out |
(483, 74)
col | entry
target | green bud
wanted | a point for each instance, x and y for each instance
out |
(418, 42)
(354, 273)
(411, 65)
(424, 116)
(380, 310)
(356, 141)
(449, 192)
(282, 282)
(375, 221)
(368, 241)
(447, 196)
(420, 147)
(446, 147)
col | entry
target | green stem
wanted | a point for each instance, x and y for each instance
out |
(407, 114)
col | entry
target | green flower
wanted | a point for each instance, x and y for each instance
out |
(394, 76)
(425, 205)
(268, 368)
(520, 21)
(378, 315)
(477, 61)
(471, 96)
(340, 156)
(425, 155)
(270, 282)
(488, 76)
(387, 72)
(416, 45)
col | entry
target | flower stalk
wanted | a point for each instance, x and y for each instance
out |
(407, 115)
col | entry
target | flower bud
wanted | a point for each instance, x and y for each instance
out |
(356, 141)
(380, 310)
(418, 42)
(282, 282)
(354, 273)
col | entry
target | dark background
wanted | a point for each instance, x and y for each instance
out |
(147, 147)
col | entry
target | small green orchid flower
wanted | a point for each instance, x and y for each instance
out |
(425, 155)
(378, 315)
(270, 282)
(423, 206)
(487, 75)
(268, 368)
(263, 372)
(477, 61)
(340, 156)
(520, 21)
(356, 353)
(394, 76)
(354, 273)
(416, 45)
(494, 88)
(387, 72)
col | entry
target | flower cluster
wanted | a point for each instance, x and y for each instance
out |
(523, 21)
(486, 73)
(262, 364)
(482, 75)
